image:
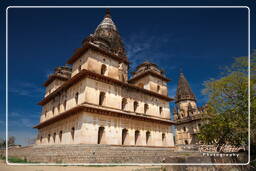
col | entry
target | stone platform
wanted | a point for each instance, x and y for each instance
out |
(106, 154)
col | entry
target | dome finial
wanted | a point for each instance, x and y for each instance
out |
(107, 13)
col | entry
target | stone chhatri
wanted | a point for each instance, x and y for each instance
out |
(97, 103)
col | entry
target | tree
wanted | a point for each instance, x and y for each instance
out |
(2, 143)
(11, 141)
(228, 103)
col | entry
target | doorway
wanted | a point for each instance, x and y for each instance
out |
(100, 134)
(124, 135)
(147, 137)
(137, 134)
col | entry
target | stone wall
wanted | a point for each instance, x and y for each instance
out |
(88, 90)
(114, 154)
(91, 154)
(86, 131)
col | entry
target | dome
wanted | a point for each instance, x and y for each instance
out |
(107, 36)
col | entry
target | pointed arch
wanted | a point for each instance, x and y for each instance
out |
(103, 69)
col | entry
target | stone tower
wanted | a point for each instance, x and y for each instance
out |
(187, 115)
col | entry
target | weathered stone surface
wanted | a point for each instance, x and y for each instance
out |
(113, 154)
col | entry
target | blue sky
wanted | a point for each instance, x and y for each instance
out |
(198, 40)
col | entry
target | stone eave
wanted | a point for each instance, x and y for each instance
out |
(184, 99)
(86, 73)
(92, 108)
(191, 119)
(149, 72)
(80, 51)
(52, 78)
(146, 63)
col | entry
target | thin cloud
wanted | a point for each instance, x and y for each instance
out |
(21, 123)
(25, 89)
(141, 47)
(27, 122)
(22, 119)
(14, 114)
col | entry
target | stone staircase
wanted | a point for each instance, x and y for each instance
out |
(95, 154)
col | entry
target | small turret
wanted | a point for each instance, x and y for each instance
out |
(148, 76)
(60, 75)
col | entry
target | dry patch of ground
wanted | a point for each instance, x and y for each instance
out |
(5, 167)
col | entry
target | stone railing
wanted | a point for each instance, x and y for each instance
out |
(190, 118)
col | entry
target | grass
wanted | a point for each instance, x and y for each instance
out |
(14, 159)
(17, 160)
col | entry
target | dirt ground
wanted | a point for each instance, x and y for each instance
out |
(5, 167)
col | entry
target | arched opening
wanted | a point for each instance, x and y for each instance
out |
(52, 110)
(100, 134)
(49, 138)
(137, 134)
(186, 142)
(145, 108)
(79, 68)
(76, 97)
(73, 133)
(124, 135)
(41, 139)
(45, 114)
(163, 137)
(58, 108)
(64, 104)
(102, 98)
(135, 106)
(124, 102)
(54, 136)
(184, 129)
(158, 88)
(60, 135)
(160, 110)
(103, 69)
(241, 150)
(147, 137)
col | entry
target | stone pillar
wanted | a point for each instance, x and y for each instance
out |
(143, 137)
(169, 139)
(131, 137)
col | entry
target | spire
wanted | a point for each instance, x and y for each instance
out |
(184, 91)
(107, 36)
(107, 15)
(107, 22)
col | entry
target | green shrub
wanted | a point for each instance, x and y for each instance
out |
(17, 160)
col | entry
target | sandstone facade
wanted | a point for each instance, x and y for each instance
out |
(94, 101)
